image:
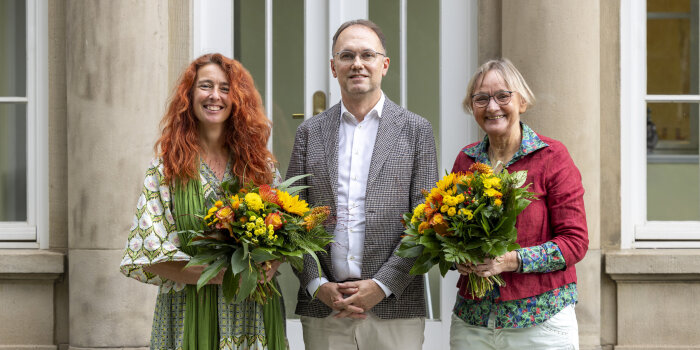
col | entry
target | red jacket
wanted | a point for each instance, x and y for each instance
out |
(558, 216)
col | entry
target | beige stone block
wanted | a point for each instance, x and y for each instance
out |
(58, 156)
(27, 317)
(489, 25)
(655, 263)
(608, 310)
(588, 307)
(30, 263)
(106, 308)
(658, 315)
(117, 77)
(610, 124)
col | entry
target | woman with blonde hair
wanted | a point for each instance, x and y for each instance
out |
(535, 307)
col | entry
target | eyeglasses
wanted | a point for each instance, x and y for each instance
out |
(501, 97)
(366, 56)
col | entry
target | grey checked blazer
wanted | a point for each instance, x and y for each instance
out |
(403, 163)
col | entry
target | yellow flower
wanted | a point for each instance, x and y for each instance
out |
(492, 182)
(452, 211)
(491, 192)
(253, 201)
(466, 212)
(460, 198)
(292, 205)
(498, 202)
(445, 183)
(444, 208)
(418, 211)
(212, 210)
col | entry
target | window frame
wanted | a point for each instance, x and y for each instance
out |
(636, 230)
(34, 232)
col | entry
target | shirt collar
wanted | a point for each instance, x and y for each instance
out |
(378, 109)
(529, 144)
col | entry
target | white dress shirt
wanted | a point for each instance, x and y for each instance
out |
(355, 146)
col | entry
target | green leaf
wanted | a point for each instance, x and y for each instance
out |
(411, 252)
(519, 178)
(444, 267)
(283, 186)
(513, 246)
(238, 261)
(230, 285)
(296, 189)
(260, 254)
(249, 277)
(204, 258)
(429, 243)
(422, 265)
(210, 272)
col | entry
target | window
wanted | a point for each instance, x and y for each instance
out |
(660, 91)
(23, 124)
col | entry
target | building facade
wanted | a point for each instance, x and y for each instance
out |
(83, 85)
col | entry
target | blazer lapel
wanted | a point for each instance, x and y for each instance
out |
(390, 127)
(330, 130)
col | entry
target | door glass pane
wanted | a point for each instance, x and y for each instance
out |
(287, 76)
(385, 13)
(423, 88)
(13, 48)
(249, 39)
(423, 54)
(13, 162)
(672, 170)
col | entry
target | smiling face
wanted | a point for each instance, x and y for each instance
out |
(210, 101)
(498, 121)
(359, 80)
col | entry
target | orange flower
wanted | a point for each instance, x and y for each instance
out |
(317, 216)
(274, 219)
(481, 168)
(423, 226)
(268, 194)
(225, 214)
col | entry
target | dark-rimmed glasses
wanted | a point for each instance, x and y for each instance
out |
(501, 97)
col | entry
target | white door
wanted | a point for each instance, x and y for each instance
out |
(285, 44)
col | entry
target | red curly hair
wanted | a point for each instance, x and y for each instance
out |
(245, 134)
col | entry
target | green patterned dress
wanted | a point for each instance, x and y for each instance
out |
(153, 239)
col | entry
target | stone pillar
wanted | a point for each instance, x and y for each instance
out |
(117, 86)
(556, 45)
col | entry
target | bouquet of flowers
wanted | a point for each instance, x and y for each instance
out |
(249, 227)
(467, 217)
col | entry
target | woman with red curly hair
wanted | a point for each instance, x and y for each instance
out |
(214, 129)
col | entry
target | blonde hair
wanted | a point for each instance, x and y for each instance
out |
(510, 75)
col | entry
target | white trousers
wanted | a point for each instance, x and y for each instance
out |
(559, 332)
(368, 334)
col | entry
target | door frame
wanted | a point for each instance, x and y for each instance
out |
(458, 59)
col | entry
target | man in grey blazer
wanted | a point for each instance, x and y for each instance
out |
(369, 159)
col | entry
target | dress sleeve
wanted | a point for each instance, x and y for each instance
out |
(153, 237)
